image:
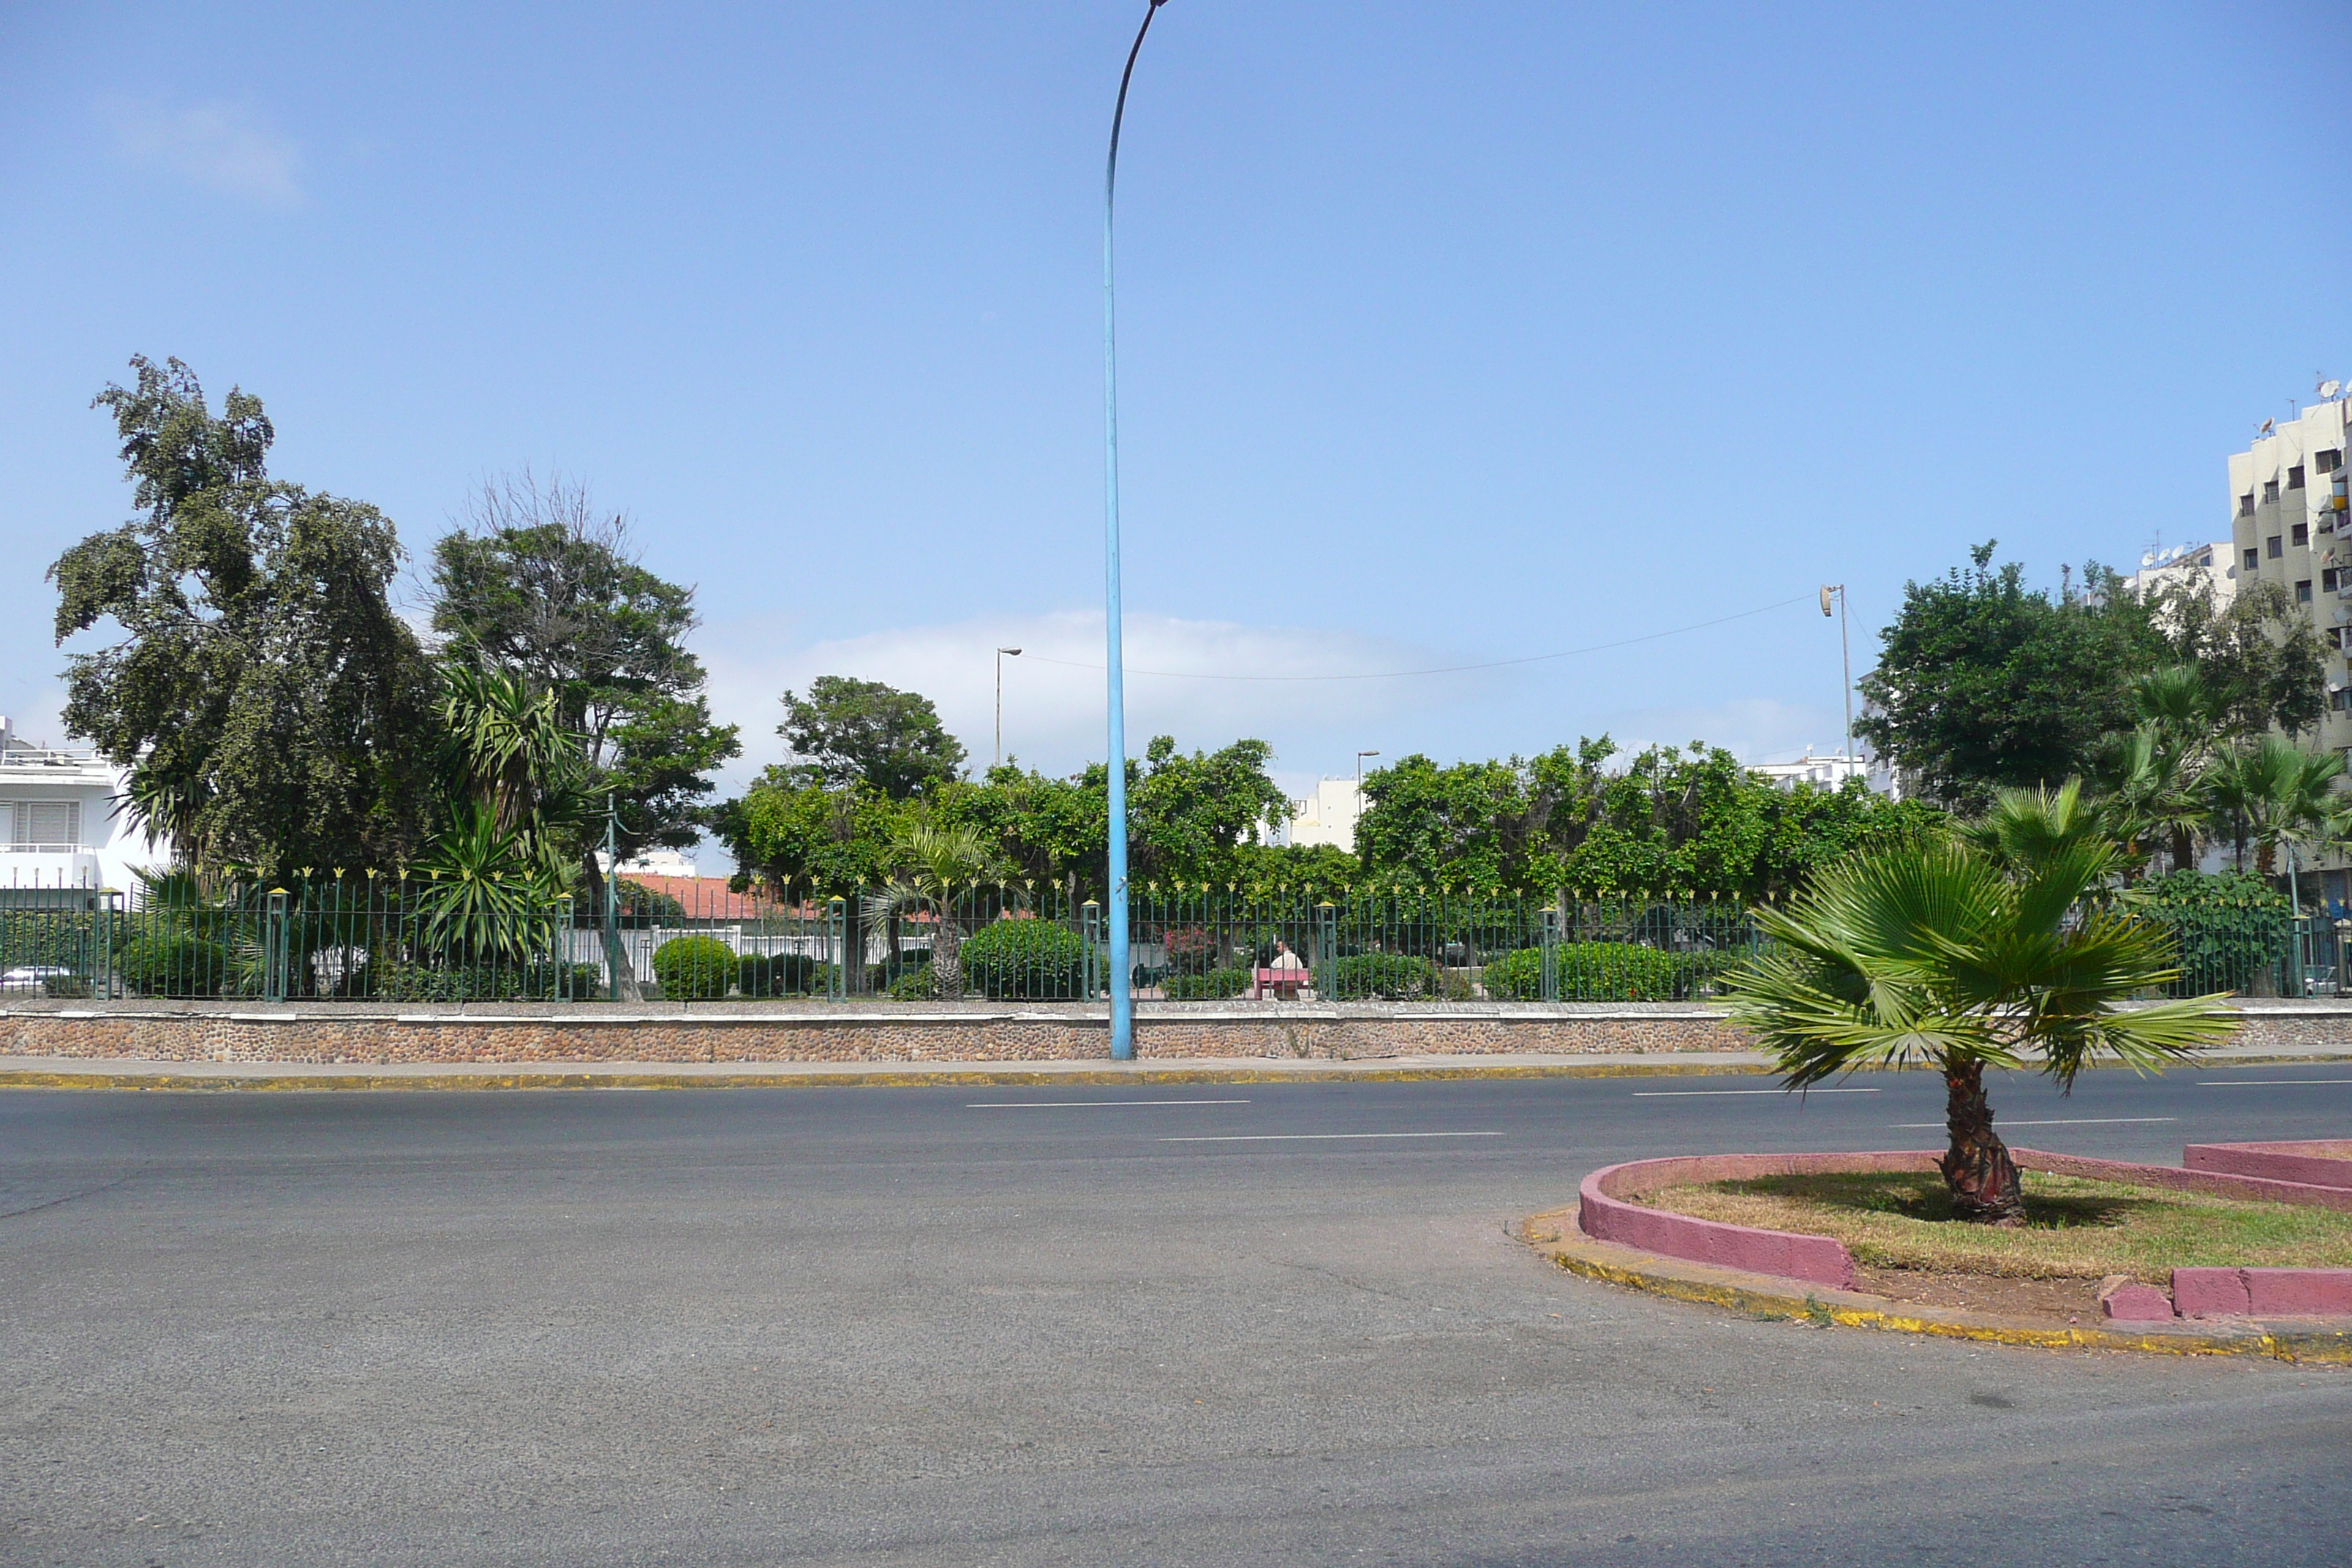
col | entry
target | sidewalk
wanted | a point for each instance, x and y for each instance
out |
(66, 1072)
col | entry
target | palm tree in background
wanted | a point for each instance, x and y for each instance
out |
(1939, 952)
(935, 864)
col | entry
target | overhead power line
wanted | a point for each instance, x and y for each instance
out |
(1449, 669)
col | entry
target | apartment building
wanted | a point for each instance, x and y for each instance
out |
(2291, 526)
(63, 835)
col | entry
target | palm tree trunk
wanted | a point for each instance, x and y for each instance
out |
(616, 957)
(1978, 1170)
(947, 954)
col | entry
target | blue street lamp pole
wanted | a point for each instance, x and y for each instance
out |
(1122, 998)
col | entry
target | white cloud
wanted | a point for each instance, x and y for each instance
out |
(1054, 698)
(220, 147)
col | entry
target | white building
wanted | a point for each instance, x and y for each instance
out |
(62, 831)
(2214, 564)
(1829, 773)
(2291, 526)
(1328, 816)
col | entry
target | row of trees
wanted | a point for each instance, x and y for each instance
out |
(274, 712)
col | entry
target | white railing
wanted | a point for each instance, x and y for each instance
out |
(47, 757)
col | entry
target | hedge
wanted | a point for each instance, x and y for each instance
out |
(1215, 987)
(1025, 959)
(1388, 976)
(174, 964)
(694, 968)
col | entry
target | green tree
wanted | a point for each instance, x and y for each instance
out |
(1931, 951)
(541, 585)
(935, 868)
(1983, 684)
(269, 706)
(850, 732)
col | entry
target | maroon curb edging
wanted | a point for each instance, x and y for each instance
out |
(1603, 1215)
(1816, 1259)
(2280, 1162)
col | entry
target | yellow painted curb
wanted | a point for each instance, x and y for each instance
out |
(1768, 1296)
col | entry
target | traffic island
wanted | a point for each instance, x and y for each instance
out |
(1851, 1247)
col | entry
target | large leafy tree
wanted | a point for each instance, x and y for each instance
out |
(1938, 951)
(270, 707)
(542, 586)
(848, 732)
(1983, 683)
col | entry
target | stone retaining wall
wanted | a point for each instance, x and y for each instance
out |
(852, 1033)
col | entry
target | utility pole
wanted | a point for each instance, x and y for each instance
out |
(1001, 656)
(612, 905)
(1845, 660)
(1122, 998)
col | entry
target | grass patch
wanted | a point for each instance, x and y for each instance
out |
(2074, 1228)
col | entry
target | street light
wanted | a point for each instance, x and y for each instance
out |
(1845, 660)
(1359, 797)
(1122, 1002)
(1001, 656)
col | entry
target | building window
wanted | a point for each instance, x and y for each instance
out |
(2295, 478)
(2328, 461)
(2328, 582)
(2303, 591)
(2341, 700)
(2302, 533)
(2274, 546)
(47, 824)
(2269, 489)
(2252, 561)
(2246, 504)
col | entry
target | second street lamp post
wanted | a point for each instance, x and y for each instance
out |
(1122, 999)
(1846, 663)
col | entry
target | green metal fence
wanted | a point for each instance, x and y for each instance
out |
(382, 938)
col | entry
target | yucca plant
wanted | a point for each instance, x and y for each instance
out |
(1935, 951)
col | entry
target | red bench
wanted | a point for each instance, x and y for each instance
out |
(1284, 983)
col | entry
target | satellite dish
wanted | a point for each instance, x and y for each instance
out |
(2330, 388)
(2268, 424)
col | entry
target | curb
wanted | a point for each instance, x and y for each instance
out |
(1554, 1235)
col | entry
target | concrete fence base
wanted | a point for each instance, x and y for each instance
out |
(731, 1032)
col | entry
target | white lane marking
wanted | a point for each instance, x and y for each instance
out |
(1675, 1093)
(1318, 1137)
(2258, 1082)
(2055, 1122)
(1058, 1104)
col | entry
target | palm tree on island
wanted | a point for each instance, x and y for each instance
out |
(2009, 953)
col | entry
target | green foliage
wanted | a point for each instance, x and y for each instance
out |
(1514, 977)
(776, 974)
(694, 968)
(1208, 985)
(1024, 958)
(173, 962)
(2231, 930)
(1625, 972)
(488, 895)
(1983, 684)
(395, 980)
(270, 707)
(853, 734)
(1671, 819)
(635, 906)
(1191, 949)
(1388, 976)
(919, 984)
(802, 840)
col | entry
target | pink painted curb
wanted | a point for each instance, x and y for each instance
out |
(1603, 1215)
(2299, 1161)
(1816, 1259)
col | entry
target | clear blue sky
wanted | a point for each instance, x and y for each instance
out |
(1450, 333)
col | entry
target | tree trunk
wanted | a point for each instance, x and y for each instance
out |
(616, 957)
(2184, 853)
(1978, 1170)
(947, 955)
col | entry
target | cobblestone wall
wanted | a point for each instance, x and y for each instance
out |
(717, 1035)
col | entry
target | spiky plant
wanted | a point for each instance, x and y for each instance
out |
(1933, 952)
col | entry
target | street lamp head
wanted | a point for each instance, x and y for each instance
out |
(1013, 651)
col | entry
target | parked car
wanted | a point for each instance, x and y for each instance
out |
(33, 978)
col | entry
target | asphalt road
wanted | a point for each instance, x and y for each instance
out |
(1256, 1324)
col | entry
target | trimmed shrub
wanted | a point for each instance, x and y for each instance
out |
(694, 968)
(1515, 976)
(1215, 987)
(775, 975)
(915, 983)
(1191, 949)
(1623, 972)
(1025, 959)
(174, 964)
(1388, 976)
(395, 981)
